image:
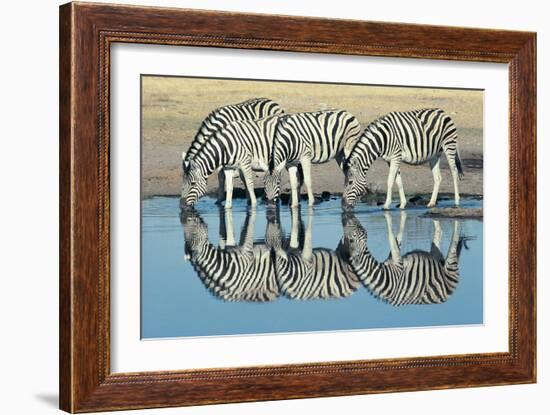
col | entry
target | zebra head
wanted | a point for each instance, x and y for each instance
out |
(184, 162)
(272, 185)
(194, 185)
(355, 236)
(195, 231)
(355, 183)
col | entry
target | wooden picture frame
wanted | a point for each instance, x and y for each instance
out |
(86, 33)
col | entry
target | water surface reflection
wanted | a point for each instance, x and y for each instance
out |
(299, 270)
(263, 269)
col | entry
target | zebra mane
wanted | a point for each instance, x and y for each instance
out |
(210, 120)
(366, 138)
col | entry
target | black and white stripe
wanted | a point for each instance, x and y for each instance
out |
(251, 109)
(309, 138)
(418, 277)
(220, 118)
(231, 273)
(242, 146)
(306, 273)
(412, 137)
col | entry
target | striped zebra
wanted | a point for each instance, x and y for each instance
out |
(232, 273)
(309, 138)
(242, 146)
(412, 137)
(419, 277)
(251, 109)
(306, 273)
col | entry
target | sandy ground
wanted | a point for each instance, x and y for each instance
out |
(173, 108)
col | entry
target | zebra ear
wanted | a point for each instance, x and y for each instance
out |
(345, 166)
(184, 163)
(348, 164)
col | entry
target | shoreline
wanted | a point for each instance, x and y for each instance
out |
(417, 180)
(372, 199)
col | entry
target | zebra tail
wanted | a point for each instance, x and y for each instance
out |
(462, 243)
(458, 163)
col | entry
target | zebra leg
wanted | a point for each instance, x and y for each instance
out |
(402, 197)
(307, 250)
(437, 234)
(456, 234)
(454, 172)
(394, 247)
(306, 168)
(247, 232)
(451, 265)
(394, 168)
(229, 231)
(434, 165)
(294, 186)
(248, 179)
(403, 220)
(295, 227)
(452, 253)
(222, 230)
(229, 188)
(221, 187)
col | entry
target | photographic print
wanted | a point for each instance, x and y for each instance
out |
(274, 207)
(252, 208)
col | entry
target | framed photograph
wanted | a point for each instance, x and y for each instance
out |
(259, 207)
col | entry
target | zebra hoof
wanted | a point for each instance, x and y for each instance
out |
(431, 205)
(402, 206)
(386, 207)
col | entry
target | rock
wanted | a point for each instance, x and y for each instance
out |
(455, 213)
(373, 199)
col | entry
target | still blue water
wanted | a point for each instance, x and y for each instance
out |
(175, 302)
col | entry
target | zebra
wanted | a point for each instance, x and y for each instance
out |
(419, 277)
(243, 146)
(412, 137)
(306, 273)
(306, 138)
(251, 109)
(231, 273)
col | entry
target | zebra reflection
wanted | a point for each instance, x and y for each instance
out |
(230, 272)
(289, 266)
(306, 273)
(261, 271)
(418, 277)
